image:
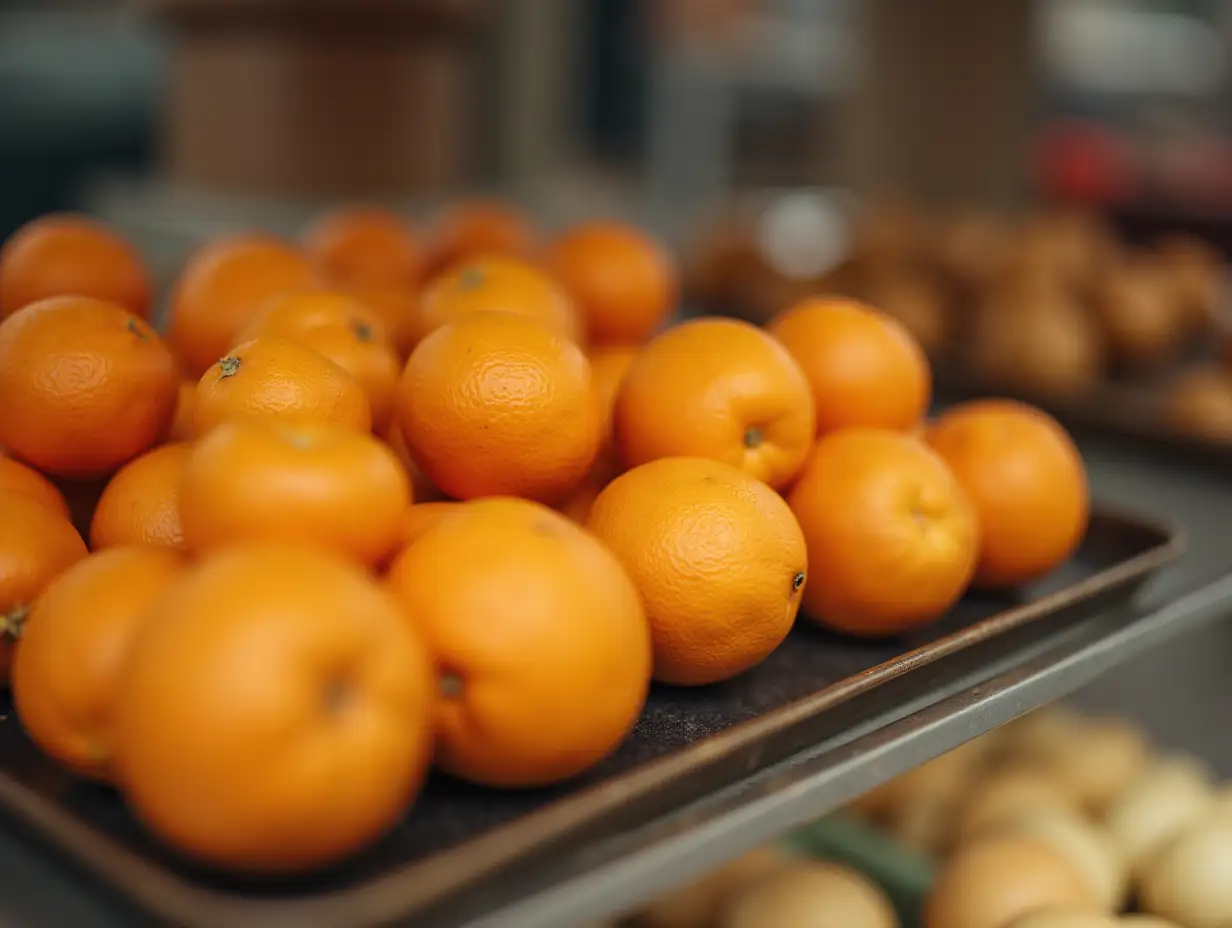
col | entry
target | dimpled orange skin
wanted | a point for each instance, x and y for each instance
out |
(1027, 481)
(222, 286)
(279, 380)
(623, 283)
(68, 255)
(20, 478)
(309, 484)
(892, 538)
(541, 644)
(719, 389)
(73, 648)
(490, 284)
(864, 368)
(274, 716)
(36, 546)
(496, 404)
(141, 503)
(718, 558)
(84, 386)
(342, 329)
(365, 244)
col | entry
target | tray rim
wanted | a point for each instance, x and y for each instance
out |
(400, 892)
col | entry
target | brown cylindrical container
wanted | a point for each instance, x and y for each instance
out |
(317, 98)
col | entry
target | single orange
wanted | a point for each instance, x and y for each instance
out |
(69, 255)
(20, 478)
(222, 287)
(892, 538)
(864, 368)
(624, 284)
(719, 389)
(36, 546)
(274, 715)
(342, 329)
(1027, 481)
(718, 559)
(313, 484)
(141, 504)
(73, 647)
(279, 380)
(498, 404)
(365, 244)
(480, 227)
(84, 386)
(530, 619)
(489, 284)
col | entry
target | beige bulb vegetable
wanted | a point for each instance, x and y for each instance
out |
(998, 878)
(699, 903)
(1190, 879)
(810, 895)
(1156, 807)
(1064, 918)
(1007, 796)
(1087, 847)
(1097, 767)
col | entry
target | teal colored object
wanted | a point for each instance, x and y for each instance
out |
(905, 876)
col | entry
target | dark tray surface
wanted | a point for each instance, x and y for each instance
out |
(92, 823)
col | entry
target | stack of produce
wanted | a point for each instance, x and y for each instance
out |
(386, 499)
(1061, 820)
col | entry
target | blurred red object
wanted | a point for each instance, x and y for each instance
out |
(1086, 163)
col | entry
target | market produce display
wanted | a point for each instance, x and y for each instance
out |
(1063, 820)
(391, 499)
(1048, 304)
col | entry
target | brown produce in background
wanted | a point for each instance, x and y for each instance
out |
(1140, 316)
(1199, 403)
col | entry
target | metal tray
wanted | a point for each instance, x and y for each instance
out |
(460, 845)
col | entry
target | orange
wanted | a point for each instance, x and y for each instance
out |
(365, 244)
(279, 380)
(343, 330)
(718, 558)
(141, 504)
(864, 368)
(185, 411)
(623, 283)
(542, 648)
(36, 546)
(73, 647)
(720, 389)
(480, 227)
(84, 386)
(18, 478)
(420, 517)
(497, 404)
(577, 505)
(68, 255)
(273, 716)
(312, 484)
(220, 289)
(608, 366)
(489, 284)
(1027, 481)
(892, 538)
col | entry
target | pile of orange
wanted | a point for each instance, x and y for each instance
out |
(392, 497)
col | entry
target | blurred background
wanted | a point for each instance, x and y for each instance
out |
(781, 146)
